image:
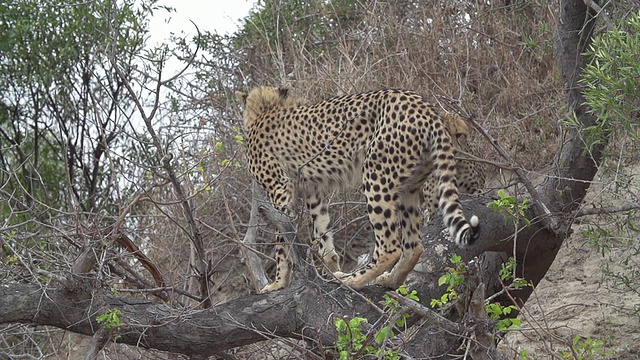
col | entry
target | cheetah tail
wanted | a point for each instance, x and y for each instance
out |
(468, 235)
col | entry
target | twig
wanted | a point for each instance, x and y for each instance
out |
(470, 157)
(131, 247)
(600, 13)
(428, 314)
(542, 209)
(142, 284)
(189, 63)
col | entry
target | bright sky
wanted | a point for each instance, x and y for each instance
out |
(221, 16)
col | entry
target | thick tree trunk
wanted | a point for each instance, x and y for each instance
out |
(575, 166)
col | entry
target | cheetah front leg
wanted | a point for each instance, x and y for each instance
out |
(283, 266)
(318, 208)
(280, 194)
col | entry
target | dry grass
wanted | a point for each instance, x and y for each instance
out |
(494, 62)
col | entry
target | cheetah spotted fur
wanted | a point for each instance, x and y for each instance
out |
(389, 141)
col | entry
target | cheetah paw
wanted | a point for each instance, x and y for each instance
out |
(271, 287)
(340, 275)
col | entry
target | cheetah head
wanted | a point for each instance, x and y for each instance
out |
(262, 99)
(458, 129)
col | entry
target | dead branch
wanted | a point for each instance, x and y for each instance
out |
(606, 210)
(600, 13)
(202, 267)
(542, 209)
(256, 270)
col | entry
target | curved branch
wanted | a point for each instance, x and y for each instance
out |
(302, 310)
(189, 62)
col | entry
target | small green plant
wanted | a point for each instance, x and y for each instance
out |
(584, 349)
(354, 343)
(610, 81)
(350, 337)
(110, 319)
(229, 163)
(507, 272)
(218, 147)
(522, 355)
(509, 205)
(497, 311)
(453, 277)
(11, 260)
(391, 305)
(456, 276)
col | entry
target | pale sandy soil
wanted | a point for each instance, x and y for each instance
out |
(577, 298)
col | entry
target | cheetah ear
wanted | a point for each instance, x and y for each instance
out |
(242, 97)
(462, 140)
(283, 91)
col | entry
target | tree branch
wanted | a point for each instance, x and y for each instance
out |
(541, 208)
(202, 267)
(303, 310)
(256, 271)
(600, 13)
(606, 210)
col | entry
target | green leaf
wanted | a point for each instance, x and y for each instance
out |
(381, 335)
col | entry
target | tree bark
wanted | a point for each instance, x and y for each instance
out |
(575, 166)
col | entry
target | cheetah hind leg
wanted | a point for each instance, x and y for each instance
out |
(382, 260)
(283, 267)
(412, 247)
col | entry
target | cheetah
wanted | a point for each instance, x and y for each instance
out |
(470, 174)
(388, 141)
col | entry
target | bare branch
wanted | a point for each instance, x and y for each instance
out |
(258, 276)
(600, 13)
(542, 209)
(194, 234)
(430, 315)
(606, 210)
(189, 62)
